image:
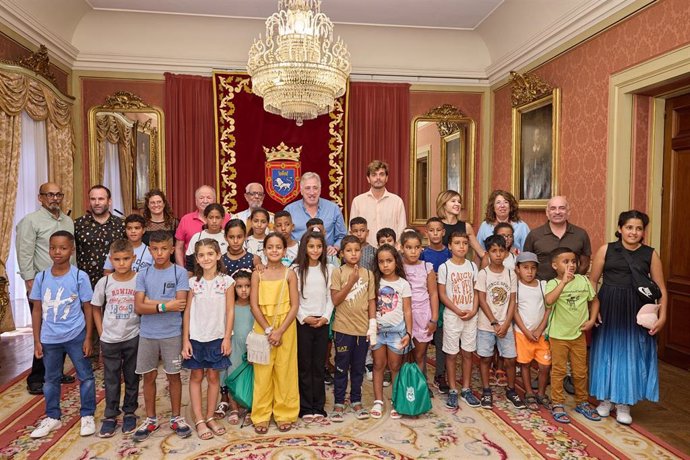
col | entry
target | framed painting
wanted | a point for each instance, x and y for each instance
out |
(535, 151)
(453, 153)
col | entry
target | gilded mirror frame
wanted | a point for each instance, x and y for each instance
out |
(451, 124)
(126, 102)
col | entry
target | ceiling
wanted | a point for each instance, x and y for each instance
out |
(438, 14)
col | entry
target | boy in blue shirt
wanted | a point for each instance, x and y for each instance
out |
(160, 298)
(61, 326)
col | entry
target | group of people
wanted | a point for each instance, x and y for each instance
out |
(189, 294)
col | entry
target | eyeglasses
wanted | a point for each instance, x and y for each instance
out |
(255, 194)
(51, 195)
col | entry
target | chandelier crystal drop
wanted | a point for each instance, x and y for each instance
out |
(298, 69)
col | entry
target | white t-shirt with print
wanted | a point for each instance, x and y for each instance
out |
(207, 315)
(498, 287)
(530, 304)
(120, 322)
(459, 281)
(389, 302)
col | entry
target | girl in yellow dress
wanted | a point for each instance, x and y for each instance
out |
(274, 303)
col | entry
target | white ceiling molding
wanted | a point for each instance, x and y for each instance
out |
(579, 20)
(28, 27)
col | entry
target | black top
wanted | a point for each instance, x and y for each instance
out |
(616, 269)
(459, 226)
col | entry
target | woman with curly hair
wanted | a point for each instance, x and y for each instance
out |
(158, 214)
(503, 207)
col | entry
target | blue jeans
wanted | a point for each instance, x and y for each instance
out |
(52, 359)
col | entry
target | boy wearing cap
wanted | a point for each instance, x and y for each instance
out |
(531, 317)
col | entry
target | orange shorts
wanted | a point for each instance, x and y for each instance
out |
(528, 350)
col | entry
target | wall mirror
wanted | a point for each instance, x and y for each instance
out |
(441, 157)
(126, 150)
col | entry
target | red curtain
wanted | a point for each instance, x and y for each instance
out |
(379, 129)
(190, 153)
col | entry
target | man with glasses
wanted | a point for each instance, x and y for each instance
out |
(33, 237)
(254, 194)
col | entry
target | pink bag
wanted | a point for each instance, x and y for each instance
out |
(648, 315)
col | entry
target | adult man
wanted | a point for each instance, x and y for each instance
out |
(33, 236)
(558, 232)
(312, 205)
(254, 194)
(95, 231)
(378, 206)
(191, 223)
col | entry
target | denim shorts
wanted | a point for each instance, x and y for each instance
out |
(391, 336)
(486, 341)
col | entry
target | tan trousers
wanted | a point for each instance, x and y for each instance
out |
(576, 351)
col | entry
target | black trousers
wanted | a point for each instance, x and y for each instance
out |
(120, 360)
(38, 370)
(311, 354)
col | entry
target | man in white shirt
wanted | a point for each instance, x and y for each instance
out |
(254, 194)
(378, 206)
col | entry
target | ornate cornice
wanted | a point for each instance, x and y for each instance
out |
(37, 62)
(527, 88)
(445, 114)
(124, 100)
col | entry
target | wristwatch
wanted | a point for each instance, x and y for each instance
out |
(494, 323)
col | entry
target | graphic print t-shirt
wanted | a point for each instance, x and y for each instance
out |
(498, 287)
(352, 315)
(459, 281)
(389, 302)
(142, 259)
(120, 322)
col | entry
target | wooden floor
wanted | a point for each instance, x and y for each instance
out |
(669, 419)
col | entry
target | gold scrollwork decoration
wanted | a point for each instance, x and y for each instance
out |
(445, 113)
(37, 62)
(527, 88)
(124, 100)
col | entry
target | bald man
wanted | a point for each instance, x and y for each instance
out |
(192, 222)
(33, 237)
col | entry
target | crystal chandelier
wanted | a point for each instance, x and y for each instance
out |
(298, 69)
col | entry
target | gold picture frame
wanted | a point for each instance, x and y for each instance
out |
(535, 120)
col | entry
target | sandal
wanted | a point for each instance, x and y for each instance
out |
(284, 427)
(221, 410)
(395, 415)
(218, 430)
(360, 412)
(338, 412)
(261, 428)
(545, 401)
(559, 414)
(531, 402)
(377, 409)
(308, 418)
(588, 412)
(204, 435)
(234, 417)
(319, 418)
(501, 378)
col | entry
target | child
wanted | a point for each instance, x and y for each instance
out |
(422, 279)
(60, 326)
(237, 256)
(352, 291)
(385, 236)
(531, 317)
(160, 297)
(456, 288)
(506, 231)
(118, 327)
(437, 253)
(332, 259)
(274, 305)
(313, 316)
(393, 321)
(258, 220)
(215, 214)
(359, 228)
(496, 287)
(206, 332)
(283, 225)
(243, 323)
(134, 230)
(570, 295)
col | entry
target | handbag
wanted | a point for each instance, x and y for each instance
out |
(411, 391)
(647, 290)
(241, 383)
(258, 348)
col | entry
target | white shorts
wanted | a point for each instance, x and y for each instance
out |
(458, 333)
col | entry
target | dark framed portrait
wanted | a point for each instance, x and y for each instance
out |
(454, 161)
(142, 174)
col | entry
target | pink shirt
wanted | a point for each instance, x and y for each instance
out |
(191, 224)
(389, 211)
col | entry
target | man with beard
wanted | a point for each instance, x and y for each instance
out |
(33, 237)
(95, 231)
(378, 206)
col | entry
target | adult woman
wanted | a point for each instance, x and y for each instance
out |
(448, 207)
(623, 358)
(158, 214)
(503, 207)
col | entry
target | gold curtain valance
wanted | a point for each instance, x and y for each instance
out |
(21, 92)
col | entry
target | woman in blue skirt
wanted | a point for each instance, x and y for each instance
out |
(623, 357)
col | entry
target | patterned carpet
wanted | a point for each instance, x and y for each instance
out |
(440, 434)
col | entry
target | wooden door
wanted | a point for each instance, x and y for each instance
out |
(674, 344)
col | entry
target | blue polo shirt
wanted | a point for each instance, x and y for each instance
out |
(327, 211)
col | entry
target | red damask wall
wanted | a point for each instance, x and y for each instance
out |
(583, 75)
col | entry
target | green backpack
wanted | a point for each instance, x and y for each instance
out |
(241, 383)
(411, 391)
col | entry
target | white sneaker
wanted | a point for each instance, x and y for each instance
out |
(88, 426)
(604, 408)
(623, 414)
(370, 376)
(46, 426)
